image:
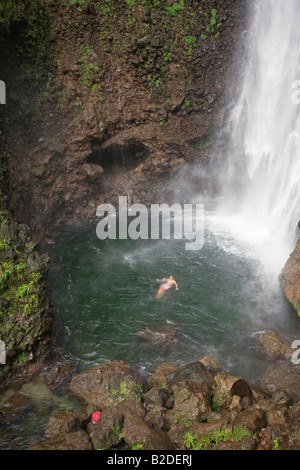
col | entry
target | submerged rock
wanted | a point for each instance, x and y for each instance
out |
(163, 335)
(77, 440)
(15, 405)
(58, 373)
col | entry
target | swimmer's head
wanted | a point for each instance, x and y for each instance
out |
(171, 277)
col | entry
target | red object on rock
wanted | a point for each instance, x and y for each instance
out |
(95, 416)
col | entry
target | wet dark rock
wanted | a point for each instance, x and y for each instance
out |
(282, 378)
(58, 373)
(252, 419)
(195, 376)
(77, 440)
(226, 386)
(281, 398)
(209, 427)
(273, 346)
(179, 402)
(192, 386)
(211, 364)
(63, 421)
(107, 384)
(14, 406)
(158, 335)
(4, 303)
(106, 433)
(156, 418)
(156, 396)
(137, 432)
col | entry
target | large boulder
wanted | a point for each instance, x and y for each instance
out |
(159, 377)
(283, 377)
(192, 387)
(272, 346)
(227, 386)
(139, 435)
(106, 433)
(156, 418)
(107, 384)
(252, 419)
(63, 421)
(195, 375)
(156, 396)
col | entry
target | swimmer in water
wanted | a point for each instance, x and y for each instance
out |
(166, 284)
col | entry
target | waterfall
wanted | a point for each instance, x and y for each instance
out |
(265, 132)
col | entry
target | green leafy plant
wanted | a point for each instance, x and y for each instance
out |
(213, 20)
(23, 290)
(176, 7)
(276, 443)
(151, 3)
(191, 42)
(130, 3)
(79, 4)
(198, 442)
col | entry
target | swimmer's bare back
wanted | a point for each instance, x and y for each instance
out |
(166, 284)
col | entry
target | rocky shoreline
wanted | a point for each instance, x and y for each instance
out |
(192, 407)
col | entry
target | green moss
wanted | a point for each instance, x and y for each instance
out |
(191, 42)
(187, 423)
(175, 8)
(296, 306)
(199, 442)
(139, 445)
(22, 284)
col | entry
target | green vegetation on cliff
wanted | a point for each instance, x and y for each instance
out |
(25, 310)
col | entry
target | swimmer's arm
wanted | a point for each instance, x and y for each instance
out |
(161, 280)
(176, 285)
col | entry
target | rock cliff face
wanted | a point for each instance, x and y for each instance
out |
(129, 94)
(290, 278)
(103, 99)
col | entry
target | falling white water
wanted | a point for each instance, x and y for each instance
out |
(265, 129)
